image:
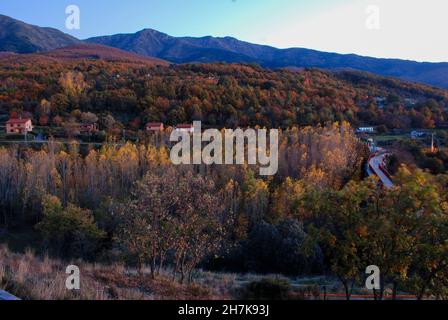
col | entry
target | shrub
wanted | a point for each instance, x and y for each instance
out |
(20, 137)
(267, 289)
(393, 164)
(281, 249)
(70, 231)
(434, 165)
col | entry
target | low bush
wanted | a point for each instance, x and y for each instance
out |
(267, 289)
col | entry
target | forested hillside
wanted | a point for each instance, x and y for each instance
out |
(54, 87)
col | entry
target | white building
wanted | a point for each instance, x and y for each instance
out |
(185, 128)
(366, 130)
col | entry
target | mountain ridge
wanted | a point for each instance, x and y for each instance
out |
(208, 49)
(19, 37)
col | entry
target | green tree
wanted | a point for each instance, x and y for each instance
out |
(70, 231)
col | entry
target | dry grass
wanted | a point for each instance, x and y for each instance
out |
(41, 278)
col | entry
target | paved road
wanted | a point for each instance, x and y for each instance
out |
(375, 163)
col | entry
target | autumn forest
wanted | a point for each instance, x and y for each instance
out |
(122, 202)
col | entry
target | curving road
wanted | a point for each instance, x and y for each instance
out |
(377, 165)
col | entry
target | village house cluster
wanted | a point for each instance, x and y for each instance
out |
(160, 127)
(24, 126)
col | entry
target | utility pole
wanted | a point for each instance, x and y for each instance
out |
(433, 149)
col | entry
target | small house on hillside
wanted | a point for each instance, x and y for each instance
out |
(19, 126)
(88, 128)
(417, 134)
(365, 130)
(381, 102)
(73, 129)
(155, 127)
(185, 128)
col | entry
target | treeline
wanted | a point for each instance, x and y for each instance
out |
(221, 95)
(131, 201)
(324, 156)
(425, 158)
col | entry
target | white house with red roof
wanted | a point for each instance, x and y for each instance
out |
(155, 127)
(185, 128)
(19, 126)
(88, 127)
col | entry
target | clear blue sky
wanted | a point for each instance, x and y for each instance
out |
(411, 29)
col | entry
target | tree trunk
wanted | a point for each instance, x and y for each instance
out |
(182, 269)
(375, 294)
(140, 266)
(160, 265)
(174, 272)
(153, 267)
(176, 267)
(190, 275)
(347, 291)
(394, 291)
(421, 294)
(382, 288)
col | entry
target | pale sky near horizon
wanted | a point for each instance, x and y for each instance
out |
(408, 29)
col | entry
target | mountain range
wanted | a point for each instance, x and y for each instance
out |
(19, 37)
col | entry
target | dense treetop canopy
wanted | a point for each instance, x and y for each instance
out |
(135, 91)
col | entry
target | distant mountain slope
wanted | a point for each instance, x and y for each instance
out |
(84, 51)
(209, 49)
(19, 37)
(100, 52)
(183, 50)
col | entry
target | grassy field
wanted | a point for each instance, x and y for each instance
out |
(39, 277)
(32, 277)
(389, 138)
(27, 272)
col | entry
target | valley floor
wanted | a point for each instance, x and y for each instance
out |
(33, 278)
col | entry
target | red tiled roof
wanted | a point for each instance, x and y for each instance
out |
(17, 121)
(154, 124)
